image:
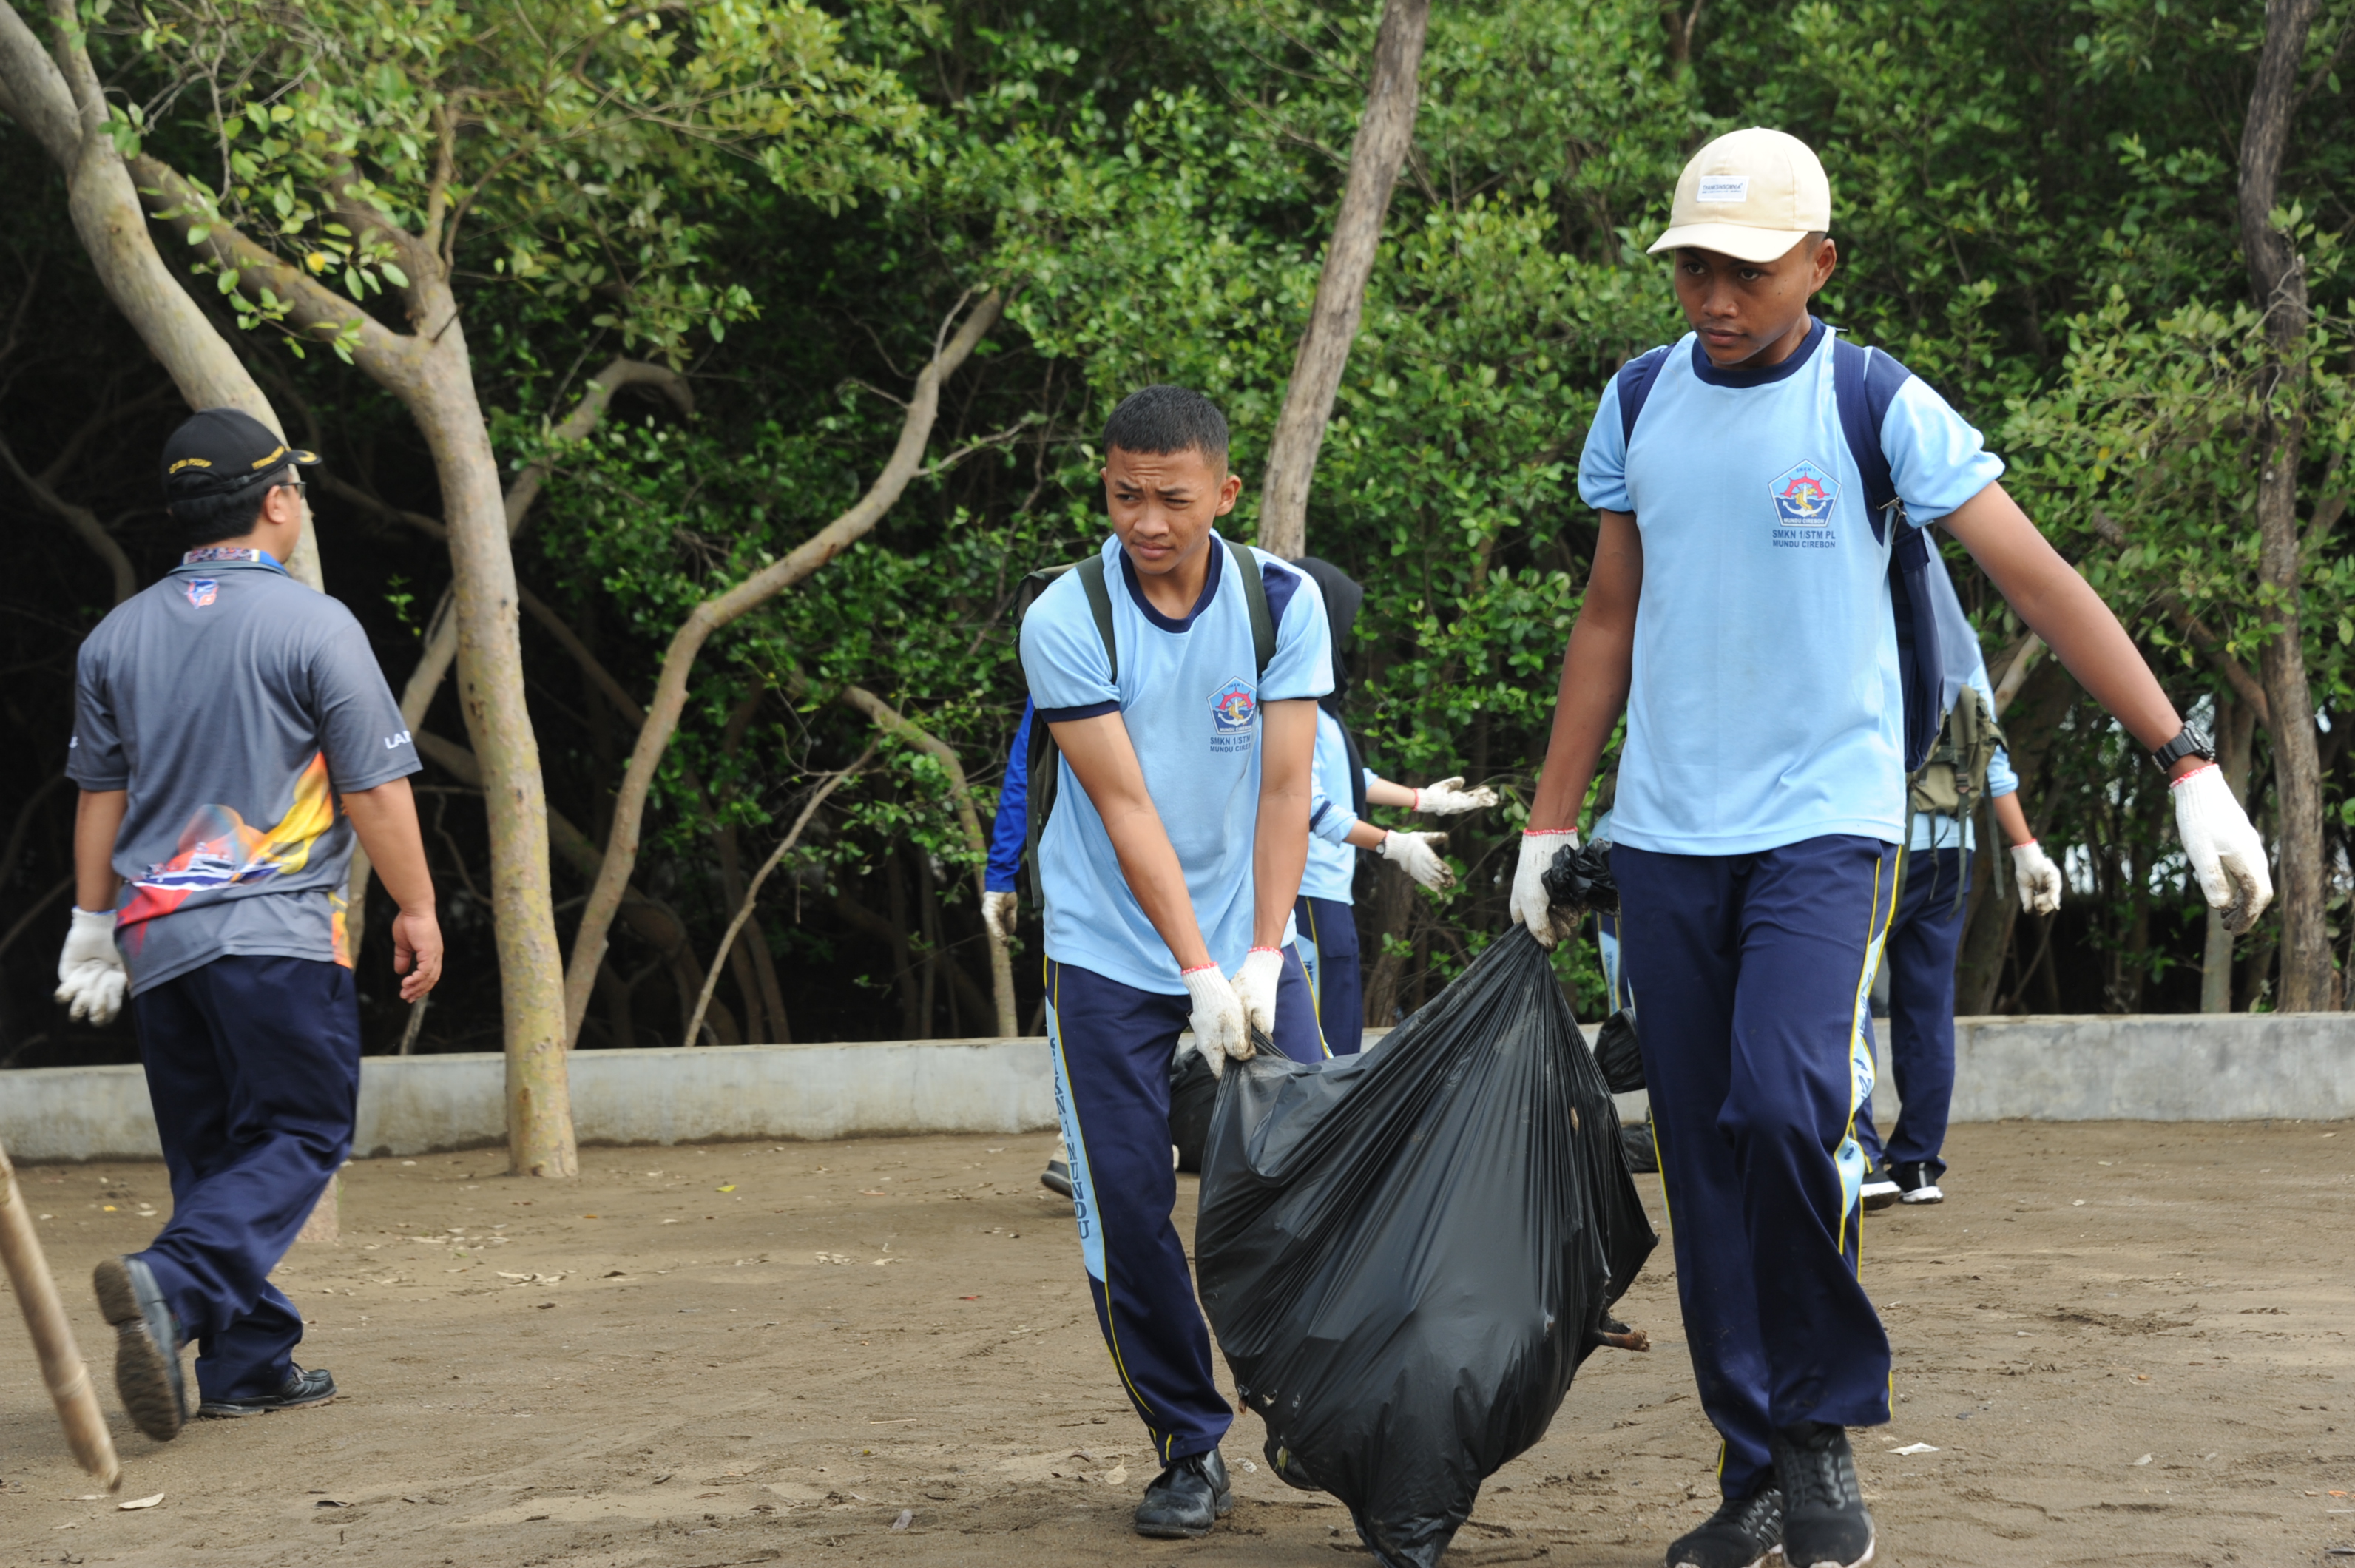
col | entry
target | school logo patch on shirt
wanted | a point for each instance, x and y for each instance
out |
(1803, 497)
(1233, 707)
(202, 590)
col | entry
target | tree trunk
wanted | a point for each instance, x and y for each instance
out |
(440, 398)
(2277, 279)
(1385, 135)
(712, 615)
(441, 650)
(2235, 735)
(60, 102)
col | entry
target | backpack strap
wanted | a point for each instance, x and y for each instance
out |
(1092, 581)
(1634, 380)
(1864, 383)
(1254, 585)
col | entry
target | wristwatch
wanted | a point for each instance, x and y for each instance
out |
(2188, 743)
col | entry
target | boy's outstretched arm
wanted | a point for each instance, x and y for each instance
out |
(2061, 607)
(1594, 677)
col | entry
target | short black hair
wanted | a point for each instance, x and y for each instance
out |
(1164, 419)
(208, 519)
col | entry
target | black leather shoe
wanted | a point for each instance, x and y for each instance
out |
(146, 1347)
(1824, 1524)
(1740, 1534)
(1186, 1499)
(301, 1388)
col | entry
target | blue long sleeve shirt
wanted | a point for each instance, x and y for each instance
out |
(1012, 826)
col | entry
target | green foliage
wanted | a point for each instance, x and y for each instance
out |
(583, 148)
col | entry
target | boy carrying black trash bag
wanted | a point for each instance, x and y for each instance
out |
(1741, 610)
(1181, 697)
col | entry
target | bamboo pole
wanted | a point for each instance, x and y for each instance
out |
(53, 1336)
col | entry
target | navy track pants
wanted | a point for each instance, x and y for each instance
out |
(1755, 974)
(1922, 943)
(1112, 1046)
(253, 1066)
(1327, 939)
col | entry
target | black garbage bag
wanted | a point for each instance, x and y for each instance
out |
(1619, 1053)
(1406, 1255)
(1581, 877)
(1193, 1094)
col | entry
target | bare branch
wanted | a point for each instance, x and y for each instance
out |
(713, 614)
(83, 520)
(752, 893)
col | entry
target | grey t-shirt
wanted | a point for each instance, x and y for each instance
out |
(234, 705)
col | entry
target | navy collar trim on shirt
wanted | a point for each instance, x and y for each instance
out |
(1201, 602)
(1764, 377)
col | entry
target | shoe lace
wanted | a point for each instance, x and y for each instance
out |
(1818, 1472)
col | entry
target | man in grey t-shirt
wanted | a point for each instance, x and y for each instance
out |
(232, 734)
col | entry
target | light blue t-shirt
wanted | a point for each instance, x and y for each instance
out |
(1765, 706)
(1935, 829)
(1188, 694)
(1332, 859)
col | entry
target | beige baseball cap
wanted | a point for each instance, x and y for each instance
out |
(1750, 195)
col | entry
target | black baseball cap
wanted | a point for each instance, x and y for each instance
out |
(220, 451)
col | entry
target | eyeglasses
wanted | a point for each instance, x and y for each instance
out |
(302, 488)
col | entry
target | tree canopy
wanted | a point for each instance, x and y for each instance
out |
(2036, 211)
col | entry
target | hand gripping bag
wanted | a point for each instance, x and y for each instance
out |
(1406, 1255)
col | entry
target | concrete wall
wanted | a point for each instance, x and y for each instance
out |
(2151, 1068)
(419, 1103)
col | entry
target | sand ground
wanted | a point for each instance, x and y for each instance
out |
(2125, 1343)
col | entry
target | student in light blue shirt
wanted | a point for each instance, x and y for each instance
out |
(1919, 954)
(1168, 863)
(1739, 613)
(1324, 919)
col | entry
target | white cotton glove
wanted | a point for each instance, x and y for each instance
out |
(90, 976)
(1418, 855)
(2039, 878)
(997, 911)
(2225, 852)
(1220, 1033)
(1530, 906)
(1255, 985)
(1448, 797)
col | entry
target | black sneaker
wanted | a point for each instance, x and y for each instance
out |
(301, 1388)
(1186, 1499)
(1879, 1188)
(1824, 1524)
(1740, 1534)
(1057, 1177)
(1916, 1185)
(146, 1347)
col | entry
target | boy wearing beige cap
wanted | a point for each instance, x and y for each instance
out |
(1763, 486)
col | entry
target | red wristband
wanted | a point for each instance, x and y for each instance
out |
(1545, 832)
(1197, 969)
(1265, 950)
(1418, 800)
(2204, 768)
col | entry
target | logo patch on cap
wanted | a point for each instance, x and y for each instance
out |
(1723, 188)
(202, 590)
